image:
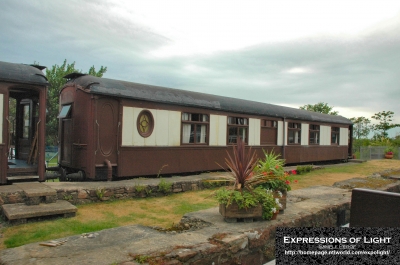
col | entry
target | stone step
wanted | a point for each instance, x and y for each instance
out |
(37, 193)
(20, 212)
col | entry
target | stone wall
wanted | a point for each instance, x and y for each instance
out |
(104, 193)
(12, 197)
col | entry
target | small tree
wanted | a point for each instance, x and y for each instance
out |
(361, 128)
(55, 77)
(384, 118)
(320, 107)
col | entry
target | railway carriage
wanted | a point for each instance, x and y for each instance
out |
(23, 90)
(115, 129)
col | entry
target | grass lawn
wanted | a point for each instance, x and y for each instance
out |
(330, 175)
(161, 211)
(52, 161)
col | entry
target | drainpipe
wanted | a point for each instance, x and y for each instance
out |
(109, 169)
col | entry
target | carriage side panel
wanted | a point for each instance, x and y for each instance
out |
(304, 133)
(166, 131)
(281, 134)
(325, 135)
(344, 136)
(218, 128)
(254, 131)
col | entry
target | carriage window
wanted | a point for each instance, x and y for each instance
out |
(65, 111)
(145, 123)
(194, 128)
(294, 133)
(27, 121)
(237, 127)
(314, 134)
(335, 133)
(269, 132)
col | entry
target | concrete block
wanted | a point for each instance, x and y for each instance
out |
(23, 211)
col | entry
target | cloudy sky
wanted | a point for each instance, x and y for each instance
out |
(292, 53)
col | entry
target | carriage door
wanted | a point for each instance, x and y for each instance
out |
(66, 134)
(106, 124)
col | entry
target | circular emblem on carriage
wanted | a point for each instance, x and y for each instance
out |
(145, 123)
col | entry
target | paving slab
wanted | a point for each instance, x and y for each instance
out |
(35, 189)
(107, 247)
(9, 189)
(396, 177)
(318, 193)
(22, 211)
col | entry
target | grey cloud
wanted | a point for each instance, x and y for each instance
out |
(360, 72)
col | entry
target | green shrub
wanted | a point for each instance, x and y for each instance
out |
(100, 193)
(273, 174)
(301, 170)
(246, 199)
(139, 188)
(213, 183)
(164, 187)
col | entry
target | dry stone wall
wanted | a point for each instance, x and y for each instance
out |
(104, 193)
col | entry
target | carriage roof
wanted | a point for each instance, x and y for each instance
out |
(22, 73)
(124, 89)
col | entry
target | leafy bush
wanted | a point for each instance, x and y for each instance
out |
(139, 188)
(100, 193)
(247, 199)
(304, 169)
(164, 187)
(271, 164)
(274, 175)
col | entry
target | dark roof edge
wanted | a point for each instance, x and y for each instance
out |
(124, 89)
(22, 73)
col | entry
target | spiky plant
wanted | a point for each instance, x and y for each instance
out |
(241, 166)
(275, 177)
(272, 164)
(244, 191)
